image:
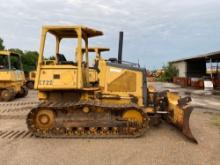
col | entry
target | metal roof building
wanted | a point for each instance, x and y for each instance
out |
(198, 66)
(192, 70)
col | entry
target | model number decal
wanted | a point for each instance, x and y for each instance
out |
(46, 82)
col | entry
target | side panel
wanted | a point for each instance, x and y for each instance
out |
(93, 77)
(13, 79)
(12, 75)
(57, 77)
(117, 84)
(16, 85)
(19, 75)
(6, 75)
(124, 82)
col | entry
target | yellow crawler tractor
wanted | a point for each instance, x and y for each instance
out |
(30, 79)
(119, 104)
(12, 78)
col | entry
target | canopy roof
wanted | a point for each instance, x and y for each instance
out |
(214, 56)
(93, 49)
(70, 31)
(8, 53)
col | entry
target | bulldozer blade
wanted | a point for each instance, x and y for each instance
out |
(179, 114)
(186, 129)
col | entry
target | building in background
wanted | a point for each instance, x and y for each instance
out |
(193, 70)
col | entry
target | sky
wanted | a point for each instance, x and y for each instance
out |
(155, 31)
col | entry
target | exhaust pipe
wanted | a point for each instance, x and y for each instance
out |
(120, 47)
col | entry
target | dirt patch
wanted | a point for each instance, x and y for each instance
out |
(216, 120)
(160, 145)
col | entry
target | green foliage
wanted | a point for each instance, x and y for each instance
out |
(50, 58)
(2, 47)
(29, 59)
(16, 50)
(169, 72)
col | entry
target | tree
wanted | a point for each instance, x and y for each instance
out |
(16, 50)
(29, 59)
(169, 71)
(2, 47)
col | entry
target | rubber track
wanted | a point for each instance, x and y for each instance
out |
(65, 105)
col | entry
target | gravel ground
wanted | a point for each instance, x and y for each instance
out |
(160, 145)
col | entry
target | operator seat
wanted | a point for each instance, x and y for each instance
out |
(62, 60)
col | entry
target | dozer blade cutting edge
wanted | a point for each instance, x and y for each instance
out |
(179, 114)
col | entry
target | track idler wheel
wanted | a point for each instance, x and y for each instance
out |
(133, 115)
(135, 119)
(7, 94)
(45, 119)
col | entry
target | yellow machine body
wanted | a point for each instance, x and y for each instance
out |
(32, 75)
(12, 77)
(108, 99)
(93, 75)
(30, 79)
